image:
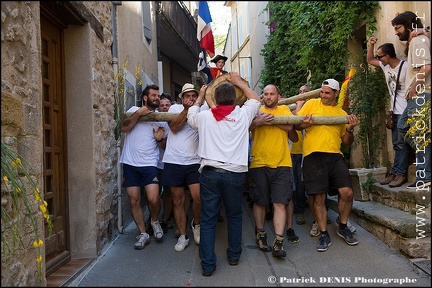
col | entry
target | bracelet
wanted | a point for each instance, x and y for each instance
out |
(350, 131)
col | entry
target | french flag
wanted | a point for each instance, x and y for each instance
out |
(204, 32)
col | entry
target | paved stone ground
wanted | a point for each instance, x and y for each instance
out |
(371, 263)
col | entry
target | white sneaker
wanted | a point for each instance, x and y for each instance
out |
(196, 232)
(157, 229)
(181, 243)
(143, 241)
(314, 232)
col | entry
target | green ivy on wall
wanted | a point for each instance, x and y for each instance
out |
(368, 99)
(311, 38)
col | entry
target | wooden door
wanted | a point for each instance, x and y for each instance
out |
(54, 148)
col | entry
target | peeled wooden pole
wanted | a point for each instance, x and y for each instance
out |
(318, 120)
(304, 96)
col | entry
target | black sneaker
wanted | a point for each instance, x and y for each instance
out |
(164, 227)
(233, 262)
(349, 225)
(278, 250)
(261, 239)
(292, 237)
(325, 242)
(419, 185)
(149, 228)
(209, 273)
(347, 236)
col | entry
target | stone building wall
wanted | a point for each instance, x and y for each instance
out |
(105, 153)
(21, 119)
(21, 125)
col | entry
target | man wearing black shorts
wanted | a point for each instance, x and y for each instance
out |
(324, 169)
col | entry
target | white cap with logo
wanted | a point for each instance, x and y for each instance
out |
(333, 84)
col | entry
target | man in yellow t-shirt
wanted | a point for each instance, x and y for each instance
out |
(324, 168)
(270, 169)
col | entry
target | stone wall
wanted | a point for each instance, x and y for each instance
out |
(105, 153)
(21, 126)
(21, 119)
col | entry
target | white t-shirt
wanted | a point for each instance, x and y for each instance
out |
(391, 77)
(419, 55)
(140, 147)
(182, 147)
(224, 144)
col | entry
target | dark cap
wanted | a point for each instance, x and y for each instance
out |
(165, 95)
(219, 57)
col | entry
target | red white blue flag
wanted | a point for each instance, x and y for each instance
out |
(204, 32)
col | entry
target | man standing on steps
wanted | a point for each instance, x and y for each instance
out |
(418, 94)
(395, 73)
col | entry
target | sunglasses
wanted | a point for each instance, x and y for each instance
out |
(379, 57)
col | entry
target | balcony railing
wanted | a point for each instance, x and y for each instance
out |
(178, 31)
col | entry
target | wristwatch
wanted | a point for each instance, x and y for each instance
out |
(350, 131)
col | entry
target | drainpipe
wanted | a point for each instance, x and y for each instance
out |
(159, 56)
(114, 5)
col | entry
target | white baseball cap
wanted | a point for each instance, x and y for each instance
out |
(333, 84)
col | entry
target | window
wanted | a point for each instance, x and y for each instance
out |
(131, 99)
(147, 22)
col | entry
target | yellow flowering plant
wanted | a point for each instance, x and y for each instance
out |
(420, 126)
(119, 102)
(17, 188)
(120, 93)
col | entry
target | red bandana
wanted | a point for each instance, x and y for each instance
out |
(219, 112)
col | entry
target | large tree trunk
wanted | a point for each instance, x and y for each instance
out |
(318, 120)
(328, 120)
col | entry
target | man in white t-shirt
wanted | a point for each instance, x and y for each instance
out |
(386, 59)
(223, 147)
(140, 157)
(181, 164)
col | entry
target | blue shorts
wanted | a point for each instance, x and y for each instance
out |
(139, 176)
(176, 175)
(325, 173)
(163, 190)
(271, 185)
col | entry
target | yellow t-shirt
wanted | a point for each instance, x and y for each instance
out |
(270, 144)
(297, 147)
(322, 138)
